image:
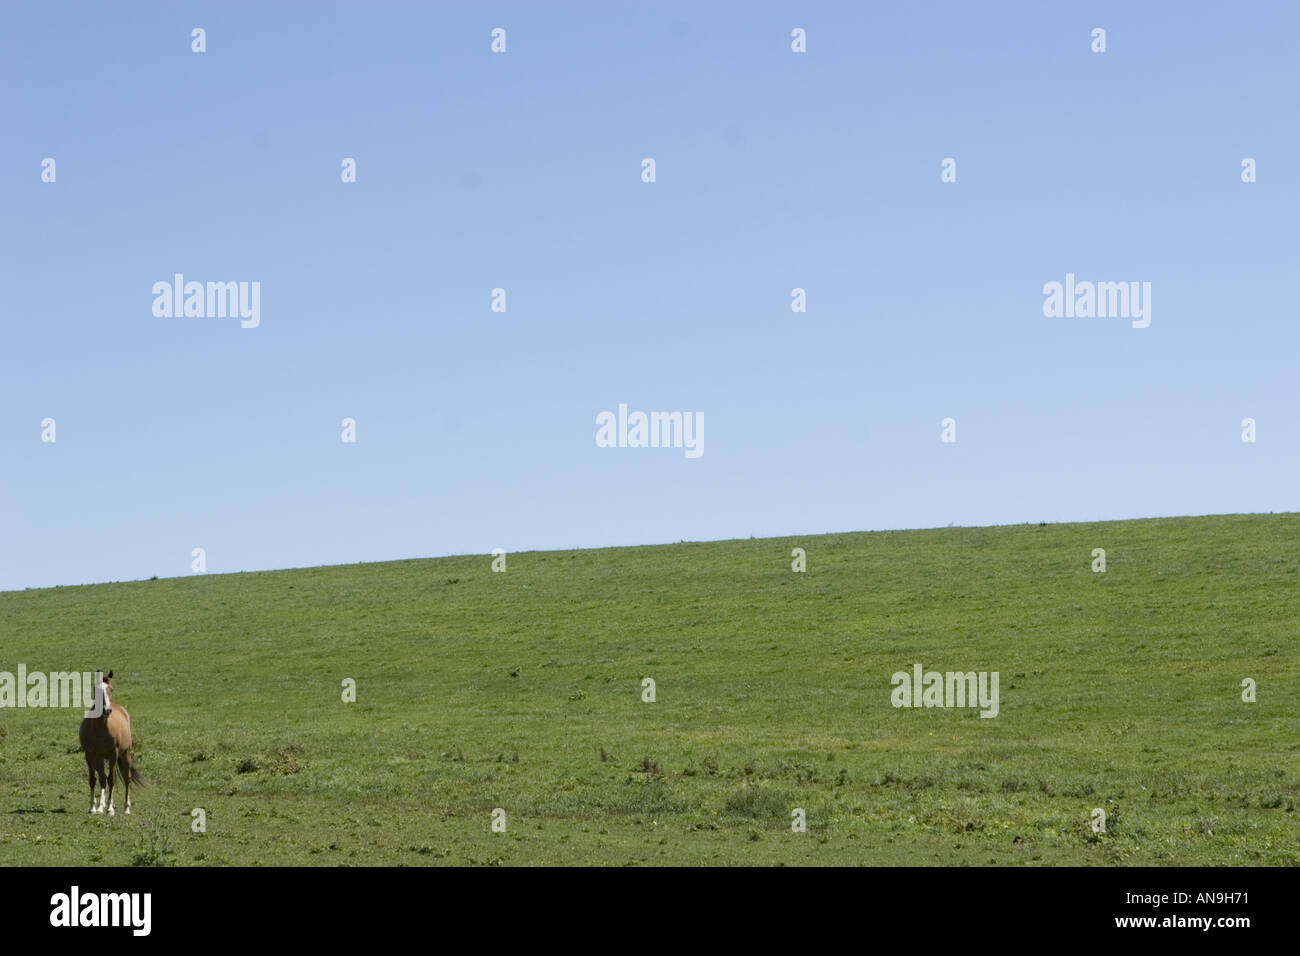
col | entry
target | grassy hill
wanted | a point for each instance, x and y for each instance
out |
(477, 690)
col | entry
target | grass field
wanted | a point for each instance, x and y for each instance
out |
(477, 690)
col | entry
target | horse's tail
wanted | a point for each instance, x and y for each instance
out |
(134, 774)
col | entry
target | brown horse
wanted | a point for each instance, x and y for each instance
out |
(107, 738)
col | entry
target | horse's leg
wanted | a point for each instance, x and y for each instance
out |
(126, 779)
(103, 783)
(90, 772)
(112, 772)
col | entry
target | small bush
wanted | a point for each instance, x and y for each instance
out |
(758, 803)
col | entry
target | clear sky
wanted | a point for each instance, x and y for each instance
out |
(775, 170)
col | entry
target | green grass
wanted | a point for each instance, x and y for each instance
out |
(522, 691)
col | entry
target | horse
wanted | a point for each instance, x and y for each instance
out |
(108, 738)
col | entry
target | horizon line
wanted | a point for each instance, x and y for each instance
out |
(657, 544)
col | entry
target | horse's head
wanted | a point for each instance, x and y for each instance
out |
(106, 688)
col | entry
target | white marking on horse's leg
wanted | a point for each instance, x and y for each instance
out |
(128, 803)
(103, 796)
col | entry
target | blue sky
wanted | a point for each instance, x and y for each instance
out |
(522, 170)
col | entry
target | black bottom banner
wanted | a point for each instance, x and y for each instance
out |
(341, 904)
